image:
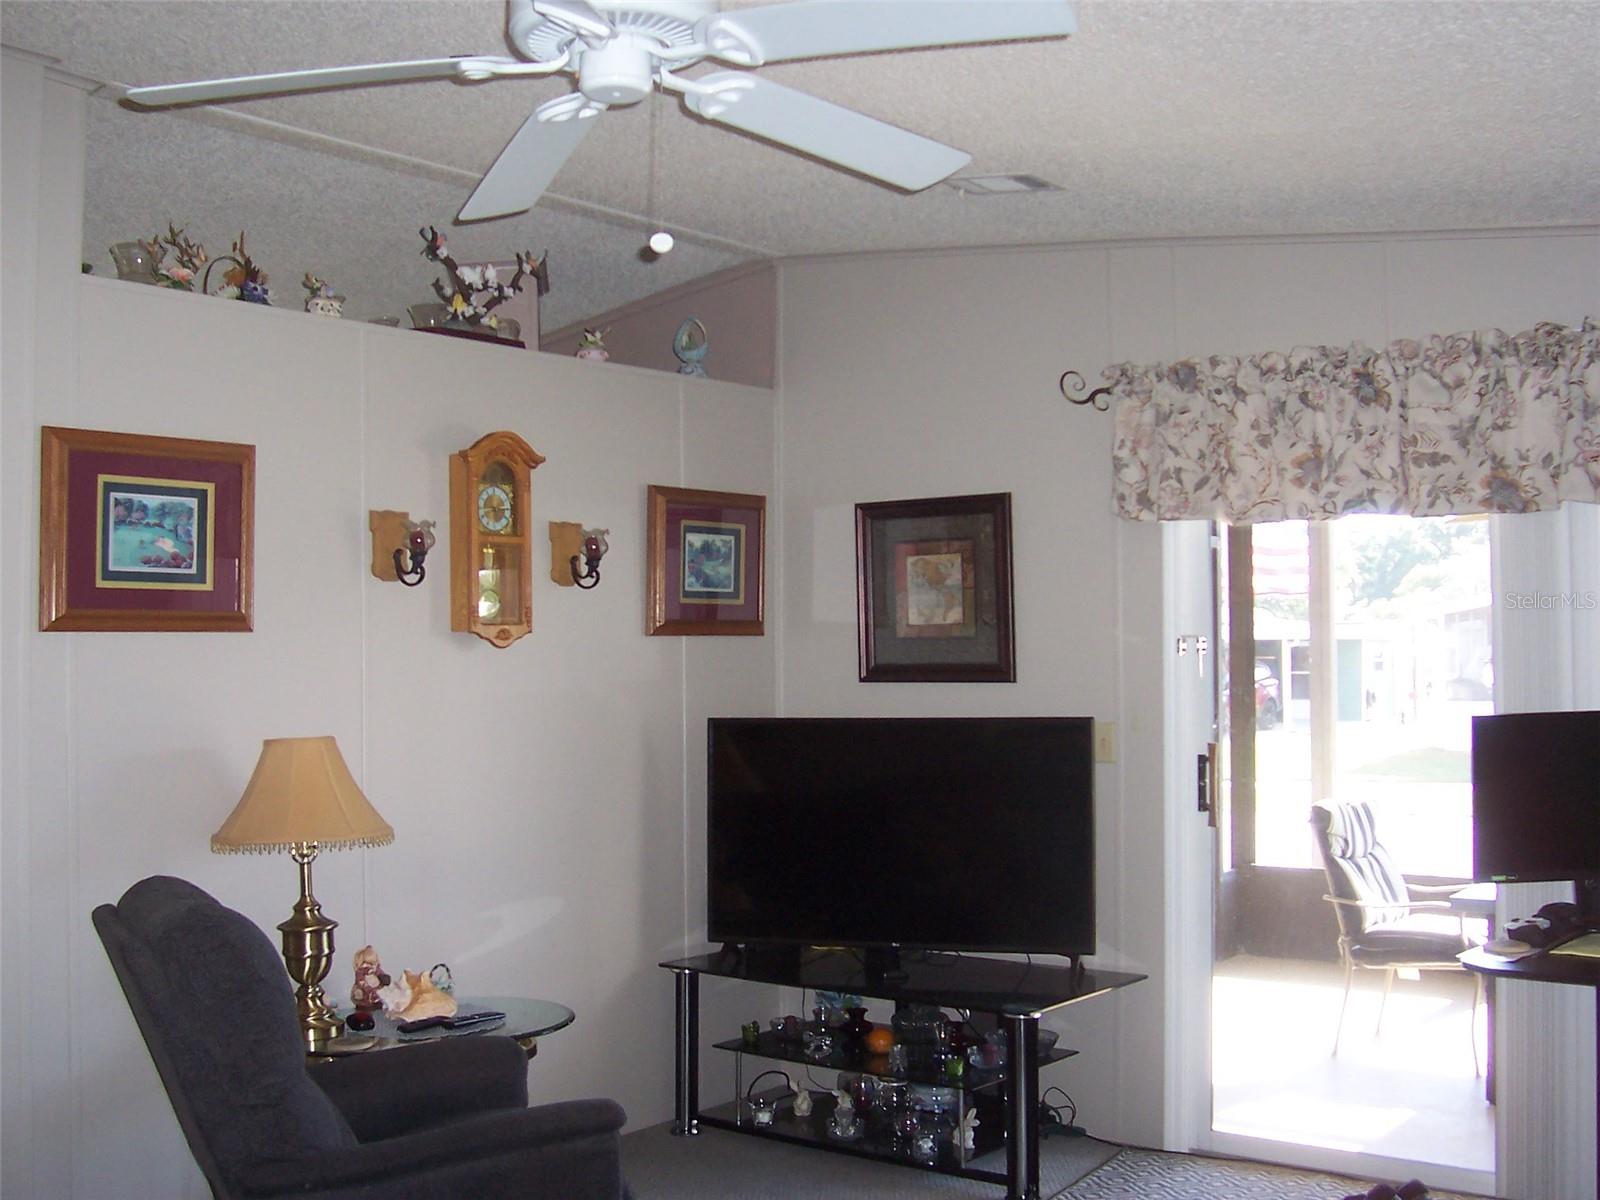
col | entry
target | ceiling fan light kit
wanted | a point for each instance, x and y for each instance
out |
(622, 50)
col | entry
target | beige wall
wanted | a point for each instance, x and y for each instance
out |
(738, 307)
(548, 799)
(896, 382)
(544, 834)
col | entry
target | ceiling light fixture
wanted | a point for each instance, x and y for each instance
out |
(660, 241)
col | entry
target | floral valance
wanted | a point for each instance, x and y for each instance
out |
(1473, 422)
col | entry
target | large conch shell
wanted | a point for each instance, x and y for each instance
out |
(426, 999)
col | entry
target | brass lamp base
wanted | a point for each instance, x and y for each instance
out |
(308, 953)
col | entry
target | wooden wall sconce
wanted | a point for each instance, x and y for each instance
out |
(572, 546)
(399, 546)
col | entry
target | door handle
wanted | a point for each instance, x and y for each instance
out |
(1207, 783)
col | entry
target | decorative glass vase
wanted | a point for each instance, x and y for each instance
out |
(134, 263)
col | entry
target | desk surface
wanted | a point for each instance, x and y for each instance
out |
(990, 985)
(1541, 968)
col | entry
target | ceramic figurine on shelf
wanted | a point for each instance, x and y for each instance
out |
(473, 292)
(188, 257)
(689, 346)
(844, 1124)
(966, 1134)
(802, 1101)
(370, 979)
(592, 345)
(320, 300)
(244, 280)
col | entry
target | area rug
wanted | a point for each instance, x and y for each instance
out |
(1155, 1175)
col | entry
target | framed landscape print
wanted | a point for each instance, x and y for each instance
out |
(144, 533)
(707, 562)
(933, 590)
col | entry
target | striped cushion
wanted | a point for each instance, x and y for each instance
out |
(1364, 866)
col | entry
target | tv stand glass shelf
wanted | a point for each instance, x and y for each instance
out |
(1017, 994)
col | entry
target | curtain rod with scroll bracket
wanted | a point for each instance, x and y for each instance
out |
(1096, 399)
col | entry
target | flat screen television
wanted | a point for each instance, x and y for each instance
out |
(927, 833)
(1536, 798)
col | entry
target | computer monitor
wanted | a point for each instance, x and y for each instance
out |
(1536, 799)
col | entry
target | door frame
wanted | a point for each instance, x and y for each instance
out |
(1188, 554)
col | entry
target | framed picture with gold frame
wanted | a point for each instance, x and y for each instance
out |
(707, 554)
(144, 533)
(933, 590)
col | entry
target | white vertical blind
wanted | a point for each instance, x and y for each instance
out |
(1547, 656)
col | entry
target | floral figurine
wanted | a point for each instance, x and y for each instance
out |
(188, 256)
(320, 300)
(592, 345)
(473, 292)
(242, 281)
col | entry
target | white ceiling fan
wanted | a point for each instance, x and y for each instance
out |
(621, 49)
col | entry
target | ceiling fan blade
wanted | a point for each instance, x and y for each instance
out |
(204, 90)
(820, 28)
(839, 135)
(531, 158)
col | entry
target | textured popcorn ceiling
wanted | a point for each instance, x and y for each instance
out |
(1159, 119)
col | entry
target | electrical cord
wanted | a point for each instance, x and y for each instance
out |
(1059, 1118)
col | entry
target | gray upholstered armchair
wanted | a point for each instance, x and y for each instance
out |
(1385, 923)
(436, 1121)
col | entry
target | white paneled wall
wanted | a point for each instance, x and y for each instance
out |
(1546, 658)
(543, 832)
(935, 374)
(547, 798)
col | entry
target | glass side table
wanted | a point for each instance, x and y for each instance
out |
(527, 1020)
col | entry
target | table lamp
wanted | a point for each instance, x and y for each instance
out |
(302, 799)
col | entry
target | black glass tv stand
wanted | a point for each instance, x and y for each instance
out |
(1016, 993)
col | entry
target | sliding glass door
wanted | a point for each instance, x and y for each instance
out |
(1355, 654)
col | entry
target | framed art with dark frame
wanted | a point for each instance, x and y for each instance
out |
(144, 533)
(707, 563)
(933, 590)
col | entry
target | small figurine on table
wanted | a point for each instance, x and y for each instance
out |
(967, 1132)
(369, 979)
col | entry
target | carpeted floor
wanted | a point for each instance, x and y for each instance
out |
(719, 1165)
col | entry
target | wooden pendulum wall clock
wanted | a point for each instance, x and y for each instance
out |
(491, 556)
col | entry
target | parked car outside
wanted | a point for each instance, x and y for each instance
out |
(1269, 697)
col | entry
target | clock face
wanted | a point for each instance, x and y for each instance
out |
(494, 507)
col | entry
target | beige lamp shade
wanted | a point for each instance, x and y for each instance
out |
(301, 792)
